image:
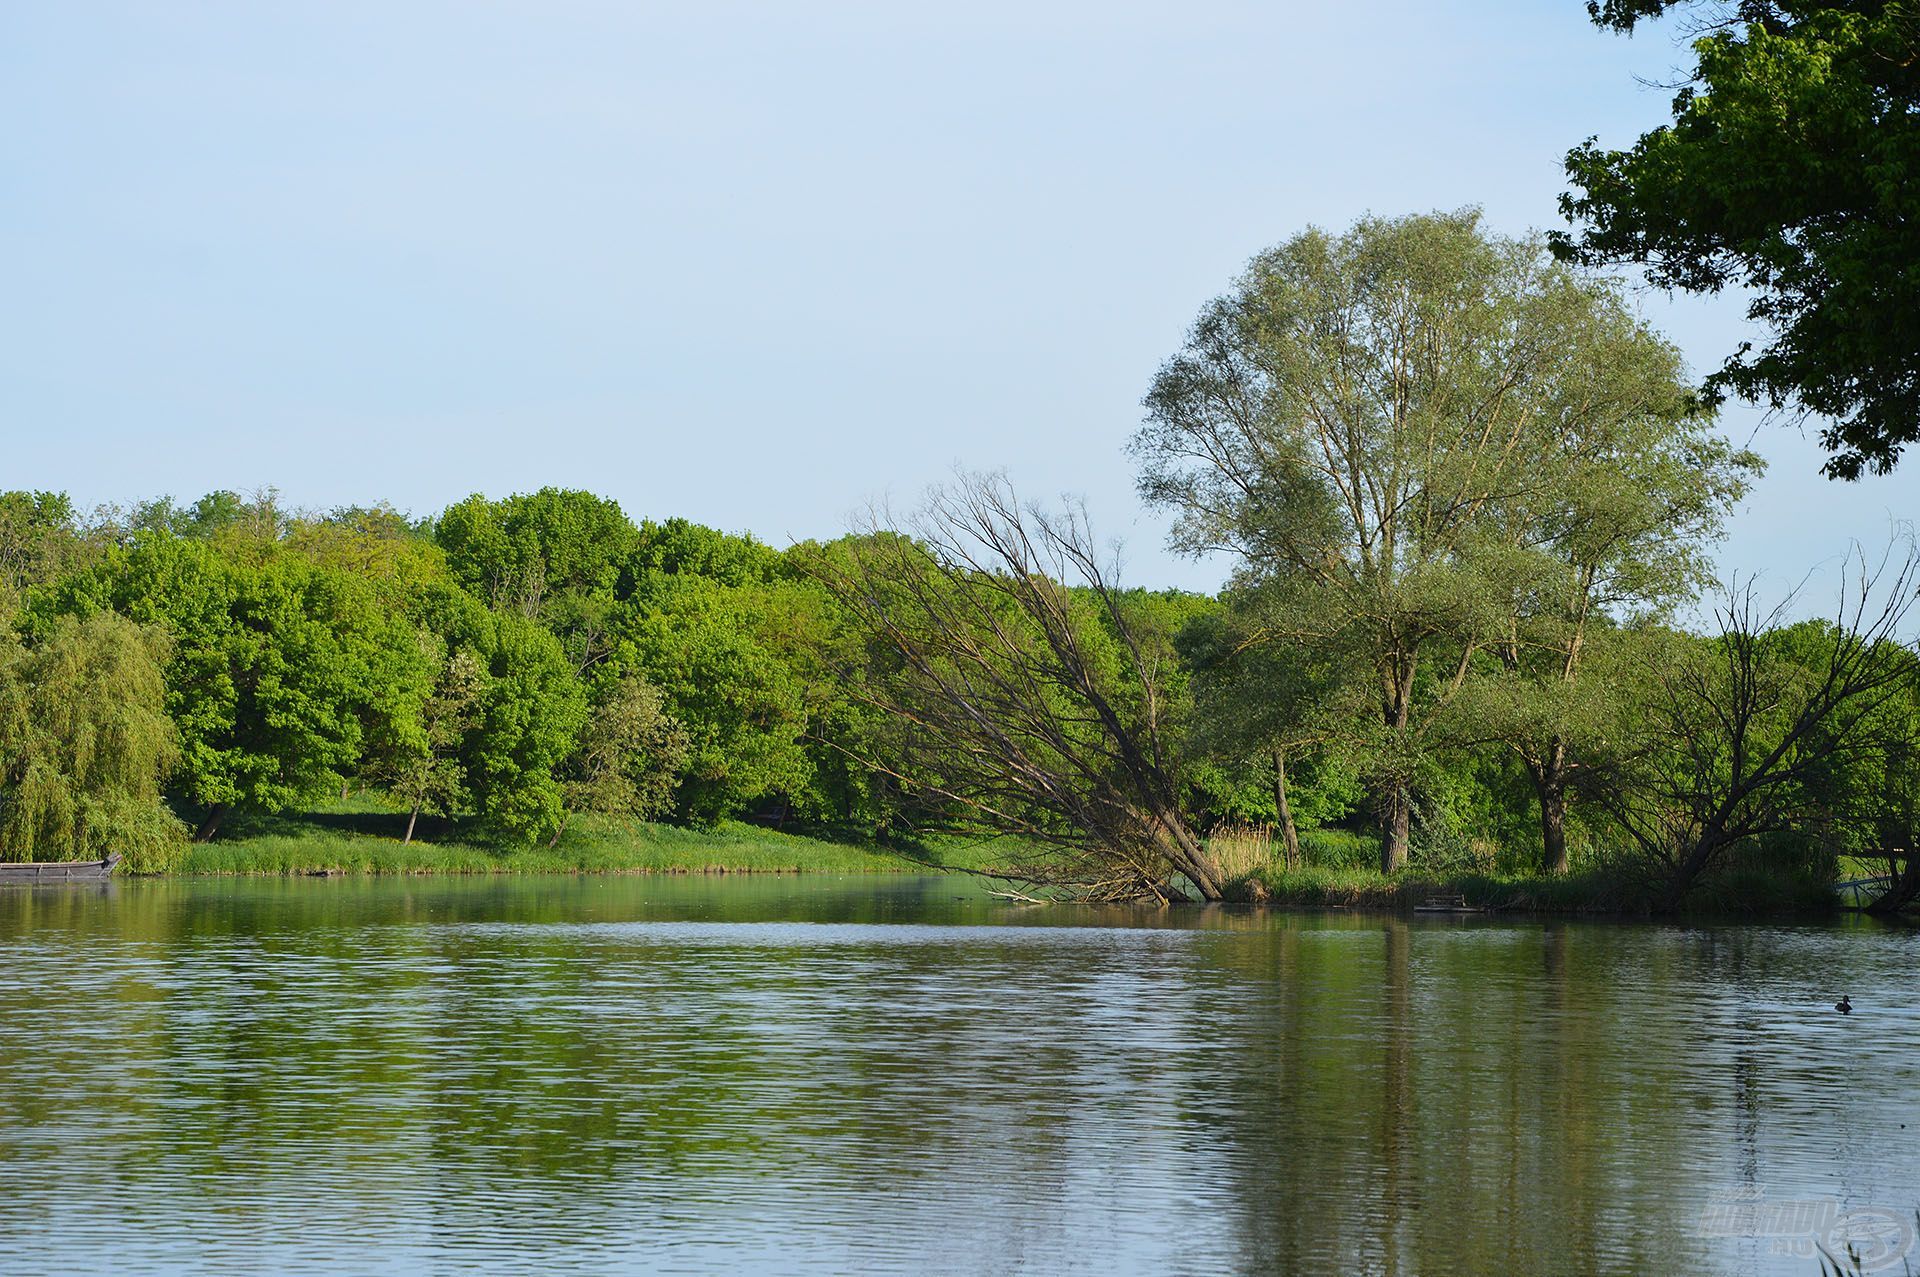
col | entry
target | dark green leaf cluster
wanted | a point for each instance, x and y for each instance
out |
(1791, 169)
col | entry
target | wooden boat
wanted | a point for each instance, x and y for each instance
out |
(26, 873)
(1447, 904)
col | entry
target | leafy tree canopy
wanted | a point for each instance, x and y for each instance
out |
(1791, 168)
(531, 711)
(278, 666)
(678, 546)
(520, 551)
(711, 650)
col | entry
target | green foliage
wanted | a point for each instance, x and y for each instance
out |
(278, 668)
(418, 760)
(84, 745)
(629, 755)
(1767, 744)
(1027, 692)
(39, 542)
(375, 544)
(677, 547)
(530, 714)
(1420, 440)
(608, 672)
(1791, 169)
(521, 552)
(1256, 691)
(215, 516)
(711, 650)
(1852, 801)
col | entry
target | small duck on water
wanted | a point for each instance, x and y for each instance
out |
(1844, 1006)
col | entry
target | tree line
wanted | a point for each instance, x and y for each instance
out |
(513, 661)
(1468, 496)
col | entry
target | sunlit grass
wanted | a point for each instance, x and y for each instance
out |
(1592, 891)
(363, 836)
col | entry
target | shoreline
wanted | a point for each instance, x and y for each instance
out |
(360, 837)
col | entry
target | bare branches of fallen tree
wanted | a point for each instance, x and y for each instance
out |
(1026, 696)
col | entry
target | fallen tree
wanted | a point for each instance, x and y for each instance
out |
(1027, 693)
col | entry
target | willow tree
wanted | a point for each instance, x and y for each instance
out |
(1028, 694)
(85, 743)
(1641, 487)
(1392, 430)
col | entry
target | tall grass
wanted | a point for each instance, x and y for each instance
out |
(1244, 849)
(1240, 850)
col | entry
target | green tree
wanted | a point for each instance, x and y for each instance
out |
(1261, 703)
(217, 515)
(1791, 169)
(679, 547)
(1367, 422)
(277, 669)
(706, 646)
(1620, 534)
(85, 744)
(39, 542)
(531, 711)
(418, 760)
(629, 754)
(533, 552)
(376, 544)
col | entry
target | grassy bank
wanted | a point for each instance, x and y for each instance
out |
(1593, 892)
(362, 836)
(1340, 871)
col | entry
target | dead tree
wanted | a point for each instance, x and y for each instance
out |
(1027, 696)
(1735, 733)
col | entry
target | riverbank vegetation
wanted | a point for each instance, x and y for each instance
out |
(1471, 643)
(365, 835)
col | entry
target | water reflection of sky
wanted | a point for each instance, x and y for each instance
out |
(601, 1075)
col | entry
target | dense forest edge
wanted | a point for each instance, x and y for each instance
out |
(1471, 645)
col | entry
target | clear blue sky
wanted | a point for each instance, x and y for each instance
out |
(754, 264)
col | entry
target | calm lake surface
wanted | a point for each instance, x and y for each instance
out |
(656, 1074)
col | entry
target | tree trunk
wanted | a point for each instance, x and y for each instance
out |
(211, 825)
(1903, 890)
(1395, 825)
(1289, 835)
(1550, 784)
(344, 794)
(412, 816)
(1553, 830)
(559, 829)
(1396, 805)
(1186, 854)
(1710, 845)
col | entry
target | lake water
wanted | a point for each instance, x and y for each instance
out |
(633, 1074)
